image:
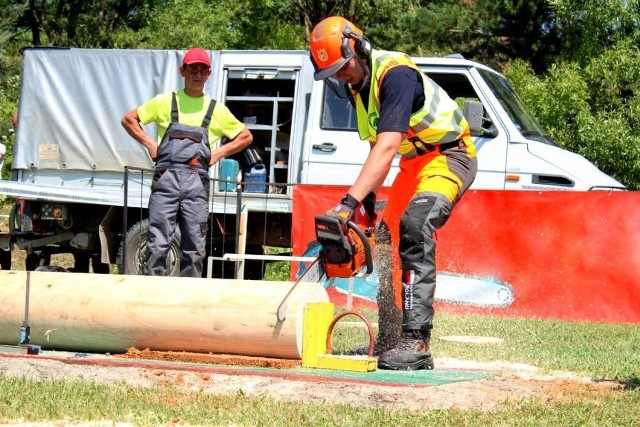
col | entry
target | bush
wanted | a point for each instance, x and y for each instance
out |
(584, 113)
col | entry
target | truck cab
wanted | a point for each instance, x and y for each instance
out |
(513, 151)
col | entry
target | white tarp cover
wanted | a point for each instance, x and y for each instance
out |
(72, 101)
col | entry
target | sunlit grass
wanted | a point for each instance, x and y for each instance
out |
(597, 350)
(73, 402)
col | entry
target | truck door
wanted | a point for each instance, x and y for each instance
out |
(333, 153)
(491, 141)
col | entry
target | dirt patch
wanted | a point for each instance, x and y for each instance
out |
(510, 382)
(214, 359)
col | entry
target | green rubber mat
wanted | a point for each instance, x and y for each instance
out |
(421, 378)
(415, 378)
(383, 377)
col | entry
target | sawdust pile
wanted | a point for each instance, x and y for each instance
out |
(211, 359)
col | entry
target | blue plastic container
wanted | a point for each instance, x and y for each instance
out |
(229, 170)
(258, 175)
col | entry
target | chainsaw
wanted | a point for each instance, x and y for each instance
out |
(346, 248)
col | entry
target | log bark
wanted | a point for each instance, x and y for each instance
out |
(111, 313)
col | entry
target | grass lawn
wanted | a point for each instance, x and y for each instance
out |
(599, 351)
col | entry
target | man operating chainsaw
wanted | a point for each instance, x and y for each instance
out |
(400, 110)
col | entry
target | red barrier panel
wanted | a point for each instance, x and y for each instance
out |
(561, 255)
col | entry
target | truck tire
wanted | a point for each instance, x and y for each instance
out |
(135, 247)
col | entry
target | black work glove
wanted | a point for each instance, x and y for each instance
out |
(369, 204)
(343, 211)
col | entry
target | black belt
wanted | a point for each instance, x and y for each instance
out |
(428, 148)
(445, 146)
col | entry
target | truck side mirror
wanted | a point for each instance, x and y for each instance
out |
(474, 113)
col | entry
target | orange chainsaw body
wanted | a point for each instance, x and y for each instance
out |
(347, 249)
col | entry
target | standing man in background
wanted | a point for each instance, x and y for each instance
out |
(190, 126)
(400, 110)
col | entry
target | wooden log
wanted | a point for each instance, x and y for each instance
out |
(111, 313)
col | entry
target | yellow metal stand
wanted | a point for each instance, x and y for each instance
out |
(317, 322)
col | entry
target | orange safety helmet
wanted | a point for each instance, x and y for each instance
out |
(333, 42)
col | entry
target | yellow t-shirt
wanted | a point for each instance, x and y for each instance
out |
(191, 111)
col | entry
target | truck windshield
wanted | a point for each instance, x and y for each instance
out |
(509, 100)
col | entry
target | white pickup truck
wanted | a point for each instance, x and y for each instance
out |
(70, 155)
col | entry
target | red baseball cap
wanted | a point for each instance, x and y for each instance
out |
(196, 55)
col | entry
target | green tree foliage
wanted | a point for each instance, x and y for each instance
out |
(437, 28)
(9, 88)
(517, 29)
(488, 31)
(365, 14)
(225, 24)
(568, 103)
(78, 23)
(589, 27)
(181, 24)
(589, 100)
(272, 24)
(10, 14)
(9, 78)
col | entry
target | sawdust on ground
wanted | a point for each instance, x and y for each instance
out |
(213, 359)
(510, 382)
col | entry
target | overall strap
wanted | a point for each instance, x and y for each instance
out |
(207, 117)
(174, 108)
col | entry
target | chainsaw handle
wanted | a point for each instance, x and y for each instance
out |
(331, 226)
(365, 243)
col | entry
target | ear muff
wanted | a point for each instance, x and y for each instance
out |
(361, 45)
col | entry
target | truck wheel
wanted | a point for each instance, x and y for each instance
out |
(135, 248)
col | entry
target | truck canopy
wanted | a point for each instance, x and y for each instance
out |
(58, 128)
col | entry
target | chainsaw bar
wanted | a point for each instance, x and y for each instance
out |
(313, 273)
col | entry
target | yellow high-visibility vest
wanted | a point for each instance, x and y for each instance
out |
(438, 121)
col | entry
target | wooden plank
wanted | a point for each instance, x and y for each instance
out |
(111, 313)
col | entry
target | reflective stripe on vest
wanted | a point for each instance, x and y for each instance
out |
(439, 121)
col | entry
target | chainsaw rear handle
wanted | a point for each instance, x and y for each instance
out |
(365, 243)
(335, 227)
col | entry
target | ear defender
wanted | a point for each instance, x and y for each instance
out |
(361, 44)
(363, 47)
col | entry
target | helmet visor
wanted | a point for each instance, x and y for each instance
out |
(329, 71)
